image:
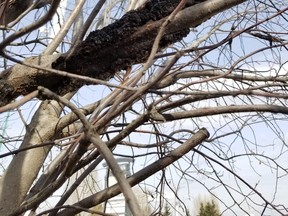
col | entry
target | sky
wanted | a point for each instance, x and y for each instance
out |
(256, 171)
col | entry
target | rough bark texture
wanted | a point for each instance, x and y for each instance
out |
(22, 80)
(106, 51)
(103, 53)
(126, 42)
(11, 9)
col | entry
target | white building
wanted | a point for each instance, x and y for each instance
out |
(117, 204)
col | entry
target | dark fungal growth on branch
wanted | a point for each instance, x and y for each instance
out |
(151, 11)
(106, 51)
(117, 46)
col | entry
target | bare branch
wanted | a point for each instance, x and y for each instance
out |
(112, 191)
(206, 111)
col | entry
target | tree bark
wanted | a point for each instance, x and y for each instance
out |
(101, 58)
(22, 79)
(24, 168)
(140, 176)
(11, 9)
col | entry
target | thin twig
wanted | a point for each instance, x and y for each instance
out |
(141, 175)
(79, 37)
(25, 149)
(31, 27)
(64, 29)
(103, 149)
(20, 102)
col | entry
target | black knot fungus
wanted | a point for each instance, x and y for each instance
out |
(108, 50)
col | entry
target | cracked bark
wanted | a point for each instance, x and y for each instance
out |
(100, 56)
(126, 42)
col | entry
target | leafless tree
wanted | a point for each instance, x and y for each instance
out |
(194, 90)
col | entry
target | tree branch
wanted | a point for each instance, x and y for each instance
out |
(219, 110)
(109, 50)
(141, 175)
